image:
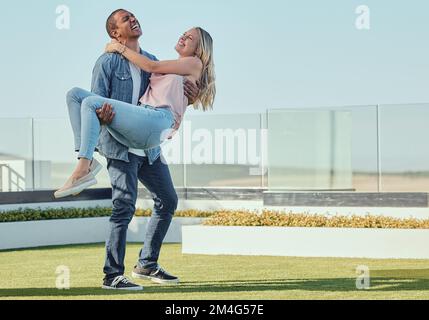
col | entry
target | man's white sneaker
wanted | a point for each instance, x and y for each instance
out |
(157, 275)
(121, 283)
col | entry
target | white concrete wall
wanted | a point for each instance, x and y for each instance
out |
(17, 235)
(307, 242)
(52, 232)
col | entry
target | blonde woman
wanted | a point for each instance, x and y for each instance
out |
(161, 109)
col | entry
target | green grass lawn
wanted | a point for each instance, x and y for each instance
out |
(30, 274)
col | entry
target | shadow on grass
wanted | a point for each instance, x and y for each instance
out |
(384, 281)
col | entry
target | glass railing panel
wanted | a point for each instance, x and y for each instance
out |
(404, 161)
(323, 149)
(223, 151)
(16, 155)
(54, 155)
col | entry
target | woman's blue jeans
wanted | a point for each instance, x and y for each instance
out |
(137, 127)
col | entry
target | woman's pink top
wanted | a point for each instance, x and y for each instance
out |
(167, 91)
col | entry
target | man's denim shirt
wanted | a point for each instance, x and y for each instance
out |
(111, 78)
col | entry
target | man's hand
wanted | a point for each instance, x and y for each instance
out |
(105, 114)
(191, 90)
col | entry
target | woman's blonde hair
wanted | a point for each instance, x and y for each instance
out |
(205, 99)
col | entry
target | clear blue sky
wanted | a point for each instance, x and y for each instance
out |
(269, 54)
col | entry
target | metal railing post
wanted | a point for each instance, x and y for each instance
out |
(33, 164)
(1, 178)
(379, 168)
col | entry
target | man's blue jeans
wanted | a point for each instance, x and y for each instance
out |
(157, 179)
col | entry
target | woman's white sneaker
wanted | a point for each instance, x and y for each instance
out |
(75, 187)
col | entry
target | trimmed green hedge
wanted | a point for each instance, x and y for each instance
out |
(231, 218)
(281, 219)
(53, 214)
(73, 213)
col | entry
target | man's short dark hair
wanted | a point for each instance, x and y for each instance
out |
(111, 22)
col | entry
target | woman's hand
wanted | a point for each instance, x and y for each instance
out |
(113, 46)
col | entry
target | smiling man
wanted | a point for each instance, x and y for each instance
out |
(116, 78)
